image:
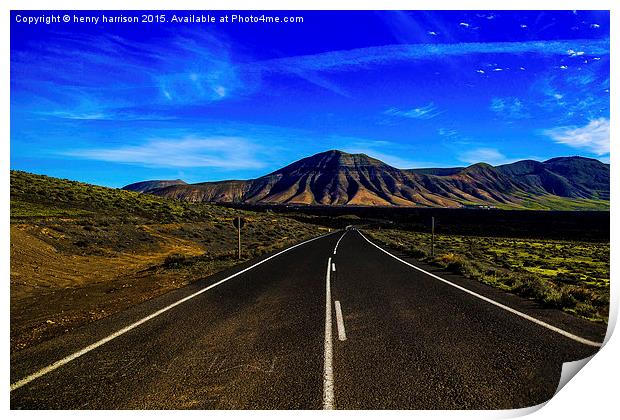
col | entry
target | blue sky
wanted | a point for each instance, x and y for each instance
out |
(113, 104)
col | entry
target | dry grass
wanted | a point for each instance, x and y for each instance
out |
(569, 275)
(82, 252)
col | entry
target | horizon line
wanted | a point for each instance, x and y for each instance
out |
(307, 157)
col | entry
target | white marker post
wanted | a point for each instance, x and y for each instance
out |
(238, 222)
(433, 236)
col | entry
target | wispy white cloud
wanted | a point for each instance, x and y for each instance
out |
(483, 154)
(425, 112)
(210, 74)
(581, 79)
(509, 108)
(490, 16)
(346, 60)
(215, 83)
(76, 115)
(447, 132)
(188, 152)
(455, 139)
(116, 73)
(105, 115)
(593, 137)
(319, 80)
(406, 28)
(578, 94)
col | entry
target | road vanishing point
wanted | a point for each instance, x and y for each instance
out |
(335, 322)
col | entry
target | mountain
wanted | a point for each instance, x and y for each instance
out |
(339, 178)
(436, 171)
(148, 186)
(574, 177)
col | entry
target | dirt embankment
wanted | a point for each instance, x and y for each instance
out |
(81, 252)
(69, 272)
(53, 291)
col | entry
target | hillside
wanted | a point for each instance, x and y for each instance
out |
(42, 196)
(81, 252)
(339, 178)
(146, 186)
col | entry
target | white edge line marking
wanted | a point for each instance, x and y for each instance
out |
(342, 334)
(130, 327)
(486, 299)
(338, 242)
(328, 372)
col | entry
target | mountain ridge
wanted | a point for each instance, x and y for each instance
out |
(338, 178)
(147, 186)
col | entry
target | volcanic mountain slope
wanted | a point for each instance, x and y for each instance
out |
(338, 178)
(574, 177)
(148, 186)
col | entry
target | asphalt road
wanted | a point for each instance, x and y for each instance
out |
(335, 322)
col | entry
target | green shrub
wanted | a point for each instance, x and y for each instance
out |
(417, 253)
(452, 262)
(584, 309)
(175, 261)
(581, 294)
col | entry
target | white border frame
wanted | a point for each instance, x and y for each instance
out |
(590, 395)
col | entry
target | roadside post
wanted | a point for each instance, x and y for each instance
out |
(238, 222)
(432, 236)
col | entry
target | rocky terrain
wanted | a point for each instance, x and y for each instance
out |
(339, 178)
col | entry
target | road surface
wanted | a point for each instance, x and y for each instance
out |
(333, 323)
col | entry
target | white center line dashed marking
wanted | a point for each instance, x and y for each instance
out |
(130, 327)
(328, 372)
(342, 335)
(337, 243)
